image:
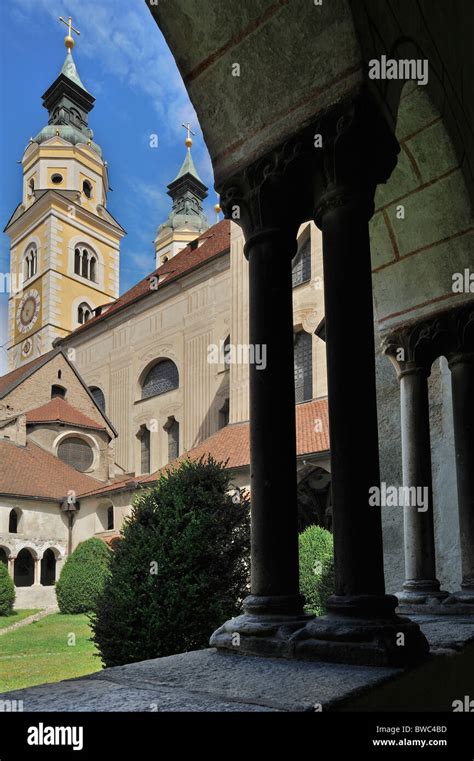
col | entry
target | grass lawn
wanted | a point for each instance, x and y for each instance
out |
(42, 652)
(17, 615)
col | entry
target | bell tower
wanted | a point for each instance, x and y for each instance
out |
(65, 245)
(187, 219)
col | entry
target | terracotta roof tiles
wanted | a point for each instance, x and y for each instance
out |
(60, 411)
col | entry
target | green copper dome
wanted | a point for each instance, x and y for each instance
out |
(67, 132)
(68, 104)
(188, 192)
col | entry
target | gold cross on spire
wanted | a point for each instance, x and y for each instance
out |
(69, 39)
(189, 141)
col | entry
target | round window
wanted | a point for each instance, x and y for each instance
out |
(56, 178)
(77, 453)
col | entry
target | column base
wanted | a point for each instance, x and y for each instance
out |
(461, 602)
(265, 628)
(421, 596)
(357, 630)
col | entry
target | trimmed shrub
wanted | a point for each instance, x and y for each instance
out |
(180, 569)
(7, 591)
(316, 568)
(83, 577)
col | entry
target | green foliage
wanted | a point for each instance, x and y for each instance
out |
(7, 591)
(83, 577)
(180, 569)
(316, 568)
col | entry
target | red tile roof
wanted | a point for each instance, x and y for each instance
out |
(214, 242)
(30, 471)
(232, 445)
(59, 411)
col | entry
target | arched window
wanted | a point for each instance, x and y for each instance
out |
(3, 556)
(301, 268)
(76, 452)
(161, 378)
(30, 262)
(110, 518)
(227, 354)
(145, 454)
(172, 429)
(58, 392)
(24, 569)
(303, 358)
(48, 568)
(87, 188)
(84, 313)
(92, 269)
(85, 263)
(99, 397)
(31, 186)
(13, 522)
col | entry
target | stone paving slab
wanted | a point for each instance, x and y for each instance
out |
(206, 680)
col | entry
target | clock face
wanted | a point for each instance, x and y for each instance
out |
(28, 311)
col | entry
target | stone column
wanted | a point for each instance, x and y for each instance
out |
(37, 571)
(412, 352)
(359, 151)
(461, 364)
(11, 566)
(265, 203)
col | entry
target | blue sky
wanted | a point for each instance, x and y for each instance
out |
(125, 63)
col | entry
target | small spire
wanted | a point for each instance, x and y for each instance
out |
(69, 39)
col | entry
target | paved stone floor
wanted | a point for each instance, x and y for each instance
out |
(206, 680)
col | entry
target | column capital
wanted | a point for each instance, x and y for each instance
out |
(359, 151)
(411, 349)
(267, 198)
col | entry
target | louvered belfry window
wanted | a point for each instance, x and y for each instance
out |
(161, 378)
(77, 453)
(303, 366)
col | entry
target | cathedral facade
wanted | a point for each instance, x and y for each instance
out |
(104, 390)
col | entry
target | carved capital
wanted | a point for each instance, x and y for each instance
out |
(411, 349)
(265, 199)
(359, 151)
(415, 347)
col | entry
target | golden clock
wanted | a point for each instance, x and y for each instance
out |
(28, 311)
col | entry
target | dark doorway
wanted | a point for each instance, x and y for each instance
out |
(3, 556)
(24, 573)
(48, 568)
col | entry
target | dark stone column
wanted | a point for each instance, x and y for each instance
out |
(264, 201)
(461, 364)
(412, 352)
(359, 152)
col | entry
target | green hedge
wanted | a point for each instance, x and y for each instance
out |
(83, 577)
(180, 569)
(7, 591)
(316, 568)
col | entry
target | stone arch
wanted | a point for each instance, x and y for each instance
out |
(314, 497)
(24, 567)
(14, 520)
(48, 567)
(169, 381)
(422, 230)
(5, 553)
